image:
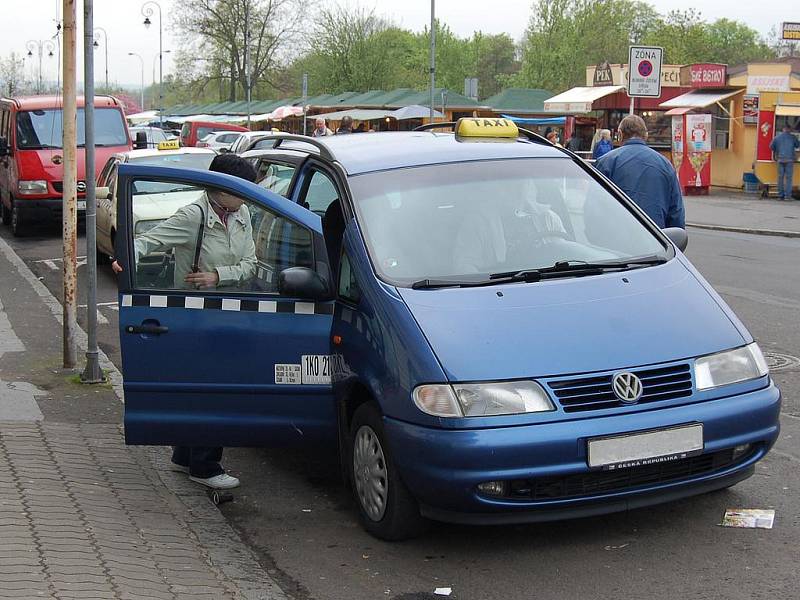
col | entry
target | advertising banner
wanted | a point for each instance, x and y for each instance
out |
(698, 128)
(750, 107)
(703, 75)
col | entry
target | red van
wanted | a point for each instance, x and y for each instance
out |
(192, 131)
(31, 156)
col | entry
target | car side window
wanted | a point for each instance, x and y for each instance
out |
(273, 176)
(348, 286)
(321, 192)
(178, 234)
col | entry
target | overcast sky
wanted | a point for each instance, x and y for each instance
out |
(122, 19)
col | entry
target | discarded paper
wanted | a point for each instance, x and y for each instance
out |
(443, 591)
(749, 517)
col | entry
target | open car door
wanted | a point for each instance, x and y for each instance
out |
(241, 363)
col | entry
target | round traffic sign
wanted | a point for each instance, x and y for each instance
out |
(645, 68)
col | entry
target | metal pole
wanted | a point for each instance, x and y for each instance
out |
(633, 99)
(305, 98)
(433, 54)
(141, 60)
(92, 373)
(247, 57)
(70, 187)
(105, 47)
(160, 71)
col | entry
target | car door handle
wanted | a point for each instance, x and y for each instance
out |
(149, 328)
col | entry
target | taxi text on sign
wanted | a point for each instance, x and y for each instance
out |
(644, 71)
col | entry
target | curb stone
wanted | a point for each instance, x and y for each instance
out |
(750, 230)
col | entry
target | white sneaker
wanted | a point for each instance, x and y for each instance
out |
(223, 481)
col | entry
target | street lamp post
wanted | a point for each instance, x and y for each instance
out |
(433, 54)
(154, 65)
(40, 46)
(148, 11)
(141, 60)
(105, 46)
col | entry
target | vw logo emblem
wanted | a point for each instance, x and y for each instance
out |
(81, 187)
(627, 387)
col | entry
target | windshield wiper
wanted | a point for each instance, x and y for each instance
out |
(428, 284)
(574, 268)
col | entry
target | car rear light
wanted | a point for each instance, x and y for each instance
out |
(202, 144)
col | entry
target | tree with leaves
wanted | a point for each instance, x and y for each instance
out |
(222, 30)
(12, 75)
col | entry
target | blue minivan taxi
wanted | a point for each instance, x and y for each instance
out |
(482, 326)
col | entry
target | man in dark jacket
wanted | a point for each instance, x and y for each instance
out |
(644, 175)
(784, 148)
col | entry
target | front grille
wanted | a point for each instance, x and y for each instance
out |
(599, 482)
(58, 186)
(595, 392)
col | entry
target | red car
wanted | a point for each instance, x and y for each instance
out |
(31, 156)
(192, 131)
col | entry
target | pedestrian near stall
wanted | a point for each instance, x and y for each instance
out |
(604, 145)
(644, 175)
(784, 148)
(574, 142)
(320, 128)
(346, 126)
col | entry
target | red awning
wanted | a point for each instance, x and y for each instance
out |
(679, 111)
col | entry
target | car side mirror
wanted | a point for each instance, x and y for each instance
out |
(4, 147)
(678, 236)
(223, 150)
(302, 282)
(102, 193)
(141, 140)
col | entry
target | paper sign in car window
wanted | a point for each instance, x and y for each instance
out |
(287, 374)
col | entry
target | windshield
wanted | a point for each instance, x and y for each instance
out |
(469, 220)
(187, 160)
(38, 129)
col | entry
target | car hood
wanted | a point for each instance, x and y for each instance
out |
(147, 207)
(567, 326)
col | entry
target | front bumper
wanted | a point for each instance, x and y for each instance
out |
(44, 208)
(442, 468)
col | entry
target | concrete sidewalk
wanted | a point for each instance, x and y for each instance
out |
(81, 514)
(727, 210)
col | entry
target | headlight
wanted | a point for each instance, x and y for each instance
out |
(37, 186)
(145, 226)
(482, 399)
(730, 367)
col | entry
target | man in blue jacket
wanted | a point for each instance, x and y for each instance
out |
(644, 175)
(783, 146)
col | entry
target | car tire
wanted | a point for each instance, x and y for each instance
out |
(17, 220)
(386, 508)
(5, 213)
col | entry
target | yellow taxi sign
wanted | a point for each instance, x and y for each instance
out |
(169, 145)
(486, 128)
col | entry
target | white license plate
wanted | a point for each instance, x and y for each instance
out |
(81, 204)
(651, 447)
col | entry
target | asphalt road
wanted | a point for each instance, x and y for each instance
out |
(294, 513)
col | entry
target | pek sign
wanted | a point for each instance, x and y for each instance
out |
(703, 75)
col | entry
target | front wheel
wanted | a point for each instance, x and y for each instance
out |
(386, 507)
(5, 213)
(17, 222)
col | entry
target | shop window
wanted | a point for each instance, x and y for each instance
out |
(720, 117)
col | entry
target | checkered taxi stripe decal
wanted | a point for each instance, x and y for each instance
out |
(229, 304)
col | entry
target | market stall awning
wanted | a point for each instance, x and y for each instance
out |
(579, 100)
(357, 114)
(787, 110)
(143, 117)
(699, 98)
(414, 111)
(536, 121)
(681, 110)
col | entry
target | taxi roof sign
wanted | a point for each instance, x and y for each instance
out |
(169, 145)
(486, 129)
